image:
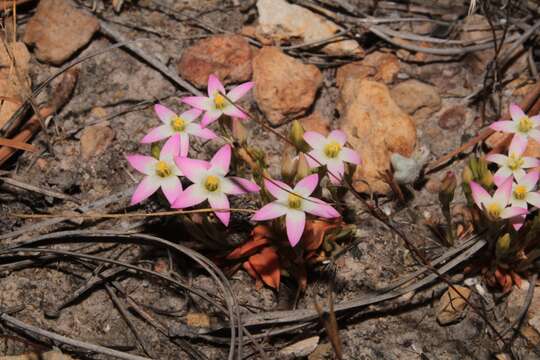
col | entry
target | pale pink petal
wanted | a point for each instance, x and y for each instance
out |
(504, 126)
(237, 92)
(314, 139)
(519, 203)
(142, 163)
(220, 201)
(315, 159)
(336, 169)
(191, 114)
(198, 102)
(197, 130)
(536, 120)
(195, 170)
(192, 196)
(156, 134)
(171, 149)
(518, 221)
(515, 112)
(319, 208)
(501, 175)
(222, 159)
(511, 212)
(278, 189)
(307, 185)
(533, 198)
(295, 222)
(529, 162)
(270, 211)
(350, 156)
(171, 187)
(517, 146)
(210, 116)
(237, 186)
(164, 113)
(214, 85)
(146, 187)
(530, 180)
(535, 134)
(184, 144)
(479, 194)
(234, 111)
(503, 193)
(498, 159)
(338, 136)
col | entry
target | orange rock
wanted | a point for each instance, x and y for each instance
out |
(379, 66)
(316, 122)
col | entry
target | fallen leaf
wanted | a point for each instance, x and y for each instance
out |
(301, 348)
(266, 264)
(452, 306)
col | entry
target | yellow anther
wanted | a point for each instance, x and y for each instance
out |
(525, 124)
(515, 162)
(494, 210)
(211, 183)
(163, 169)
(178, 124)
(219, 101)
(294, 201)
(332, 149)
(519, 192)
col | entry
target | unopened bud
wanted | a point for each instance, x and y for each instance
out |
(487, 179)
(288, 167)
(155, 150)
(448, 188)
(503, 244)
(239, 131)
(302, 167)
(296, 136)
(467, 175)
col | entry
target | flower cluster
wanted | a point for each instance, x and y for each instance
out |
(516, 188)
(209, 178)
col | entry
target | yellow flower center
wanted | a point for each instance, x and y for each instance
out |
(294, 201)
(519, 192)
(332, 149)
(515, 162)
(494, 210)
(163, 169)
(211, 183)
(525, 124)
(219, 101)
(178, 124)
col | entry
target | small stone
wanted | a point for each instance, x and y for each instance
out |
(14, 85)
(376, 127)
(284, 86)
(198, 320)
(378, 66)
(417, 98)
(316, 122)
(301, 348)
(452, 118)
(95, 140)
(322, 352)
(280, 21)
(227, 56)
(55, 355)
(452, 306)
(58, 30)
(433, 185)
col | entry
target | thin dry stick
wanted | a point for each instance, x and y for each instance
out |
(29, 187)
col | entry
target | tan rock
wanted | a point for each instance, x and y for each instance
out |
(416, 98)
(280, 21)
(452, 305)
(452, 118)
(95, 140)
(376, 127)
(378, 66)
(284, 86)
(15, 82)
(227, 56)
(316, 122)
(58, 30)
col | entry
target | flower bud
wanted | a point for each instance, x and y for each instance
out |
(239, 131)
(487, 179)
(288, 167)
(503, 244)
(448, 188)
(302, 167)
(155, 149)
(467, 175)
(296, 136)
